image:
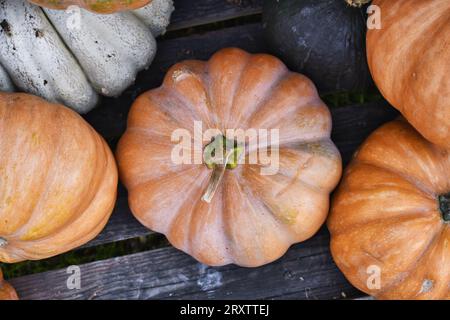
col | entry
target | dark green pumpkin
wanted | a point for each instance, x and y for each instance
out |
(323, 39)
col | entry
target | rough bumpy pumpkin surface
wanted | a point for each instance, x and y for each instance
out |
(58, 179)
(98, 6)
(409, 58)
(253, 218)
(7, 292)
(391, 213)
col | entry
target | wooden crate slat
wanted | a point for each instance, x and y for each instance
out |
(305, 272)
(191, 13)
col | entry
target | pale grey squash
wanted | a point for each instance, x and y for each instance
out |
(73, 56)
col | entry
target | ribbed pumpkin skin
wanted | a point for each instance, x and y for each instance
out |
(409, 58)
(253, 218)
(7, 292)
(58, 179)
(98, 6)
(386, 213)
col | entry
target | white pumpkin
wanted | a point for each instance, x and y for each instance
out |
(72, 56)
(5, 81)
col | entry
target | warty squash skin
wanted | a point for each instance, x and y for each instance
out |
(5, 81)
(46, 55)
(323, 39)
(409, 58)
(7, 292)
(391, 212)
(97, 6)
(252, 218)
(58, 179)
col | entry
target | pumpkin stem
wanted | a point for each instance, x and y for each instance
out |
(444, 206)
(219, 155)
(357, 3)
(3, 242)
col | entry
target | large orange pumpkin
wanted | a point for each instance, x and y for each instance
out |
(390, 218)
(7, 292)
(229, 212)
(58, 179)
(409, 58)
(98, 6)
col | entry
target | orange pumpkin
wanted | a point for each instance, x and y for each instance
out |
(390, 217)
(409, 58)
(229, 211)
(98, 6)
(58, 179)
(7, 292)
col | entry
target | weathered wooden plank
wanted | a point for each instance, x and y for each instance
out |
(305, 272)
(189, 13)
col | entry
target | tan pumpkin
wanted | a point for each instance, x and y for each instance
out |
(7, 292)
(58, 179)
(390, 217)
(228, 211)
(98, 6)
(409, 58)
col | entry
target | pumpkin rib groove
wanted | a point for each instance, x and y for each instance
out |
(264, 99)
(89, 233)
(389, 222)
(18, 232)
(276, 76)
(159, 178)
(76, 194)
(186, 216)
(224, 123)
(224, 241)
(134, 190)
(411, 215)
(422, 46)
(70, 220)
(414, 264)
(230, 227)
(412, 180)
(295, 236)
(171, 112)
(314, 100)
(428, 252)
(236, 87)
(190, 69)
(415, 83)
(248, 190)
(245, 194)
(24, 253)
